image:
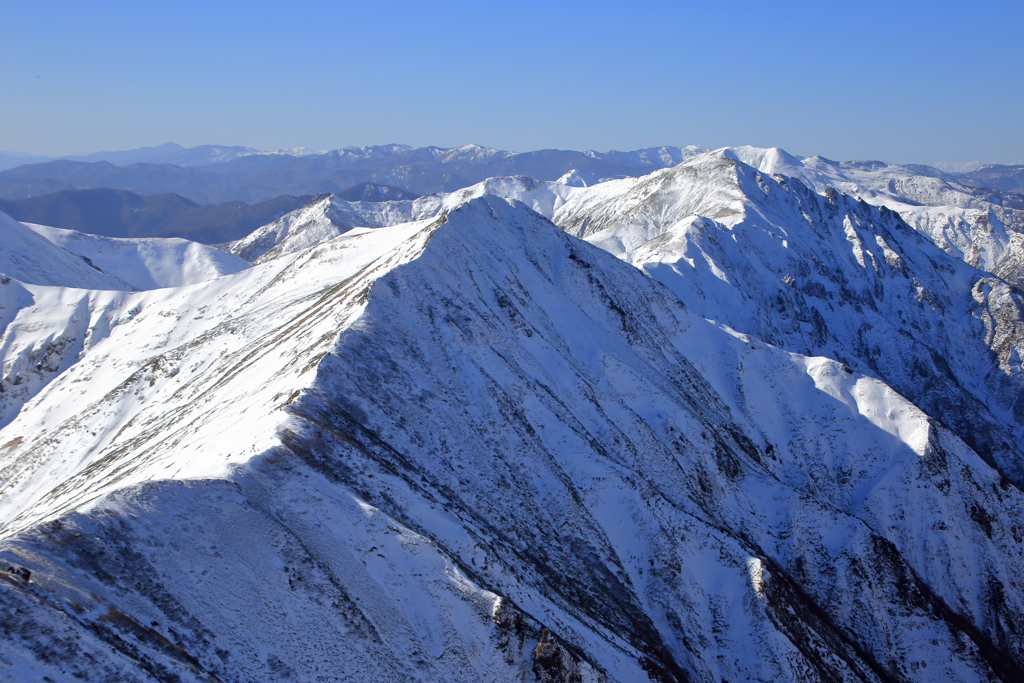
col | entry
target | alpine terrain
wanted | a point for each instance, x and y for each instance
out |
(747, 417)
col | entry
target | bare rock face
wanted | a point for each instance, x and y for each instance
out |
(1011, 267)
(552, 663)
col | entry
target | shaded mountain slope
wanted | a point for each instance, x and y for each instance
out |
(814, 274)
(976, 224)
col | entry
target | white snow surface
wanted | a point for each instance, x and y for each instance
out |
(124, 337)
(975, 225)
(30, 258)
(146, 263)
(435, 450)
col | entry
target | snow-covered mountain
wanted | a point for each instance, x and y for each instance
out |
(328, 216)
(981, 225)
(829, 275)
(815, 274)
(31, 258)
(146, 263)
(977, 224)
(62, 290)
(453, 441)
(323, 219)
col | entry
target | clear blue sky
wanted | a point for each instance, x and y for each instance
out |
(901, 80)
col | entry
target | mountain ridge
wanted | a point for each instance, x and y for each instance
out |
(587, 415)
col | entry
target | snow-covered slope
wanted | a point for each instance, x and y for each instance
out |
(828, 275)
(30, 258)
(477, 448)
(323, 219)
(62, 291)
(975, 224)
(328, 216)
(45, 330)
(146, 263)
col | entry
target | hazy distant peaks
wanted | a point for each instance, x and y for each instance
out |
(168, 153)
(958, 166)
(374, 192)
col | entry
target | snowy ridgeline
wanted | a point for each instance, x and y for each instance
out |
(976, 225)
(446, 440)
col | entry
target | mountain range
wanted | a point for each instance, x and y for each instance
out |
(737, 415)
(420, 170)
(119, 213)
(259, 177)
(169, 153)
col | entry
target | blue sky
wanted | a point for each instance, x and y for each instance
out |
(903, 80)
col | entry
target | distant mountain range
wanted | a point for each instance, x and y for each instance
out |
(10, 160)
(996, 176)
(216, 193)
(231, 173)
(119, 213)
(256, 177)
(169, 153)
